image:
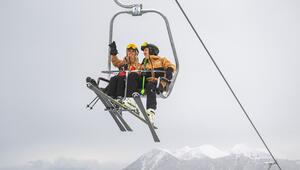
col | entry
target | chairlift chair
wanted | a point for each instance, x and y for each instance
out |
(114, 107)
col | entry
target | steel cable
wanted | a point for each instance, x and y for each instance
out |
(227, 83)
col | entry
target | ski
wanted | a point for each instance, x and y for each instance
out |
(113, 101)
(111, 109)
(137, 99)
(121, 127)
(118, 114)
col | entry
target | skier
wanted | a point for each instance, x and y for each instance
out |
(154, 62)
(116, 86)
(130, 62)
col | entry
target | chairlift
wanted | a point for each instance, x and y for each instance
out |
(115, 107)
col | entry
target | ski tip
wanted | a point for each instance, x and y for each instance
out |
(88, 79)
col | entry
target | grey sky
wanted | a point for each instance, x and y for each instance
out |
(48, 47)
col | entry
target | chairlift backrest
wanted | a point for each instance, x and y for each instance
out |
(136, 10)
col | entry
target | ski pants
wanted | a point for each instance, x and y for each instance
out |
(150, 87)
(116, 86)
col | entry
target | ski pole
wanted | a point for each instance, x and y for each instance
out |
(145, 61)
(87, 106)
(94, 103)
(143, 86)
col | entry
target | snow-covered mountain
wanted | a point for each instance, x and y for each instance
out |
(204, 151)
(156, 159)
(246, 151)
(67, 164)
(208, 157)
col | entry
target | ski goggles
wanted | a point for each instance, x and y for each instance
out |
(132, 46)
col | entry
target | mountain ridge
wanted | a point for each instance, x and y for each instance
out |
(208, 157)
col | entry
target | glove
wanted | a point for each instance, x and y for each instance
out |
(169, 73)
(113, 48)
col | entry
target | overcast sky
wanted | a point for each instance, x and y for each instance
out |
(49, 47)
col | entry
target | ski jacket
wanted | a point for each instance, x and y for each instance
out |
(125, 64)
(157, 63)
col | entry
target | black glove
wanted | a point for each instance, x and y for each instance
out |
(169, 73)
(113, 48)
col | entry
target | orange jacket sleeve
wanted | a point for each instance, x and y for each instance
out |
(167, 63)
(116, 61)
